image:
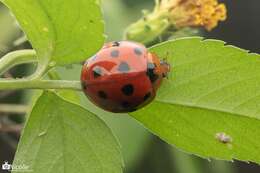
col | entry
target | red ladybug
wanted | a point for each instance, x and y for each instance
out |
(123, 76)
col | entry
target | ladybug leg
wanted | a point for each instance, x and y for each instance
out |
(82, 62)
(166, 56)
(165, 68)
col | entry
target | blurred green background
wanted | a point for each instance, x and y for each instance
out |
(142, 151)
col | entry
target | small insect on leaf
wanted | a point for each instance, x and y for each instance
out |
(223, 137)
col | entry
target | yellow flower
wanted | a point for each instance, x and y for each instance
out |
(170, 16)
(193, 13)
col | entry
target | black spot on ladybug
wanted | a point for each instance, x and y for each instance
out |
(147, 96)
(102, 94)
(128, 89)
(115, 53)
(123, 67)
(150, 72)
(138, 51)
(115, 44)
(125, 104)
(97, 72)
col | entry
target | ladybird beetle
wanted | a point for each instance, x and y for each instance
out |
(123, 76)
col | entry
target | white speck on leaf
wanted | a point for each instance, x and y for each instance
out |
(223, 137)
(41, 134)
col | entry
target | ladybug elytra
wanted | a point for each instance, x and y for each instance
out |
(123, 76)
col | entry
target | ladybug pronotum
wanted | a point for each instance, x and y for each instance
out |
(123, 76)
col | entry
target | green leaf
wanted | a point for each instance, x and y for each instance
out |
(63, 137)
(212, 88)
(62, 31)
(69, 95)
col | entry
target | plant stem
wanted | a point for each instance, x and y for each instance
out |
(29, 56)
(15, 58)
(12, 84)
(13, 108)
(20, 40)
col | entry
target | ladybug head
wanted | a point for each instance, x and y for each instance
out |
(165, 67)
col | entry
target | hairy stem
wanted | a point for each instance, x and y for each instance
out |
(11, 84)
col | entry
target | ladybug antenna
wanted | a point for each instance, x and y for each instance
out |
(167, 56)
